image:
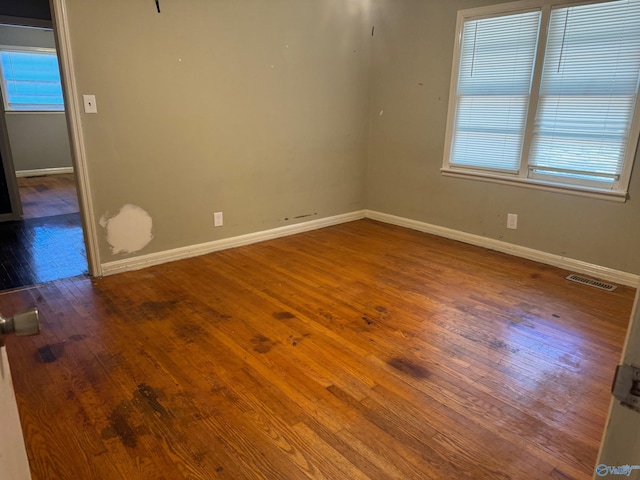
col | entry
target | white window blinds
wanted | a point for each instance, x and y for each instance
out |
(494, 80)
(547, 96)
(587, 94)
(31, 80)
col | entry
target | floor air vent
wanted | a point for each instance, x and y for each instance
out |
(593, 283)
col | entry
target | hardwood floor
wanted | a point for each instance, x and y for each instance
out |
(39, 250)
(48, 243)
(48, 195)
(357, 351)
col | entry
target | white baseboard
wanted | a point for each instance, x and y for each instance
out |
(43, 171)
(603, 273)
(143, 261)
(597, 271)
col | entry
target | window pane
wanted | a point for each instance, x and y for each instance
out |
(32, 80)
(587, 93)
(494, 80)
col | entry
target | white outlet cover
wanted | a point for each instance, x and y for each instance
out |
(90, 104)
(217, 219)
(512, 221)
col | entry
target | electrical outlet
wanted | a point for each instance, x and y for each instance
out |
(512, 221)
(217, 219)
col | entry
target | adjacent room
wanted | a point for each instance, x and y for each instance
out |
(330, 239)
(43, 241)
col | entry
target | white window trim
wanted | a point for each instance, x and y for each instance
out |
(19, 48)
(521, 179)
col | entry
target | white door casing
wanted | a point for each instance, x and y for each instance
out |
(14, 464)
(620, 448)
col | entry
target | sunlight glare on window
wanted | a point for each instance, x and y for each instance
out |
(31, 81)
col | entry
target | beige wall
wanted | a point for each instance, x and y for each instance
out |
(413, 49)
(256, 109)
(269, 111)
(26, 36)
(38, 140)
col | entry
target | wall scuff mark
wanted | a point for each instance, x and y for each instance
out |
(129, 231)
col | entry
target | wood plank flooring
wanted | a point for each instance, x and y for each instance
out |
(48, 243)
(48, 195)
(357, 351)
(39, 250)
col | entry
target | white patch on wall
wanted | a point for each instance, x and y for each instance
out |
(129, 230)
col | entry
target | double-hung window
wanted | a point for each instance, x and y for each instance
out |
(546, 95)
(30, 80)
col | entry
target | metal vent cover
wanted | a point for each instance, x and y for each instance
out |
(591, 282)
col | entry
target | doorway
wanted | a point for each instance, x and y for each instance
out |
(47, 242)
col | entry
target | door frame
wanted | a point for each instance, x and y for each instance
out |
(621, 437)
(5, 146)
(9, 172)
(72, 114)
(72, 110)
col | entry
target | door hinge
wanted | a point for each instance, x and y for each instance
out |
(626, 386)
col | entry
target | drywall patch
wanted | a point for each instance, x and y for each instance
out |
(129, 231)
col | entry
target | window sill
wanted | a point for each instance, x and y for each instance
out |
(20, 112)
(537, 185)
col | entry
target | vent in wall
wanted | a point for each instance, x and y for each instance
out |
(593, 283)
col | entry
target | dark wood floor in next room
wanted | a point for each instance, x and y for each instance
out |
(47, 244)
(357, 351)
(48, 195)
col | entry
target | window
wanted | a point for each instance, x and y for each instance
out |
(31, 80)
(547, 96)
